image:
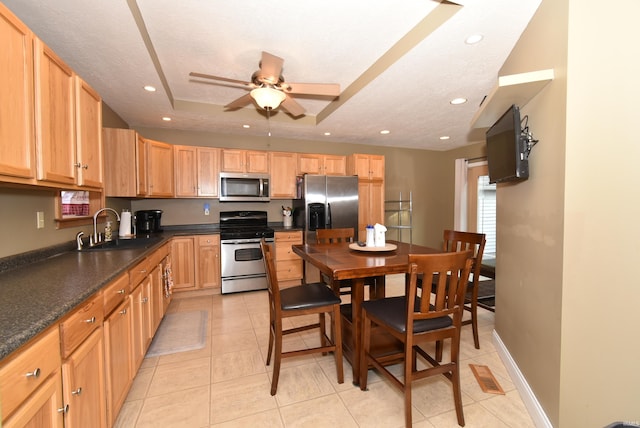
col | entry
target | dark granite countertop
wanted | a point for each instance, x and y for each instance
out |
(39, 288)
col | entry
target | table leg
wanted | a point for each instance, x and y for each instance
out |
(379, 288)
(357, 297)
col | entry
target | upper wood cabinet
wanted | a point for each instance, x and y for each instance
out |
(321, 164)
(234, 160)
(283, 175)
(121, 161)
(160, 169)
(196, 171)
(368, 167)
(17, 148)
(68, 120)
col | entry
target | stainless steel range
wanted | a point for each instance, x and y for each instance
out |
(241, 261)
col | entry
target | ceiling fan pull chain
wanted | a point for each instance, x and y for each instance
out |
(269, 122)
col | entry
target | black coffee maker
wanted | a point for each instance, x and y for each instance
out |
(148, 221)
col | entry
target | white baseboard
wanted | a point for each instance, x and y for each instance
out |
(530, 401)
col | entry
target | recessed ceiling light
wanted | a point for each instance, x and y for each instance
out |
(327, 133)
(444, 137)
(473, 39)
(150, 88)
(385, 132)
(246, 126)
(457, 101)
(166, 119)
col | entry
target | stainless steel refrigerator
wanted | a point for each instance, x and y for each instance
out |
(325, 202)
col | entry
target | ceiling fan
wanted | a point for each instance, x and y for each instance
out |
(269, 89)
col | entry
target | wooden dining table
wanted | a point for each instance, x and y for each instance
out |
(340, 261)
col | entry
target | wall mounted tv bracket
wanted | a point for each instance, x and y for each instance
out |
(527, 136)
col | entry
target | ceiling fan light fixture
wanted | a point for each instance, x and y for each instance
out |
(267, 97)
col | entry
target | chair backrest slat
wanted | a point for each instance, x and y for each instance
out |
(334, 236)
(454, 240)
(272, 279)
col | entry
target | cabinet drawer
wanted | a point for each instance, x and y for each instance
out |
(204, 240)
(79, 325)
(139, 272)
(25, 372)
(290, 269)
(293, 237)
(115, 293)
(158, 255)
(285, 252)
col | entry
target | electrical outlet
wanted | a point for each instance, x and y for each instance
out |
(206, 209)
(40, 219)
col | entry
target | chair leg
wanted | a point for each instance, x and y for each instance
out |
(337, 341)
(474, 321)
(439, 348)
(271, 338)
(409, 363)
(455, 378)
(277, 358)
(366, 345)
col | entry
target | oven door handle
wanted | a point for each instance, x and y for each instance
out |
(244, 241)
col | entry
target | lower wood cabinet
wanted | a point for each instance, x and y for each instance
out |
(141, 309)
(84, 385)
(288, 264)
(195, 262)
(118, 362)
(43, 409)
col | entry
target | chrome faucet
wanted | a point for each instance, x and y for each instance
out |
(79, 240)
(95, 221)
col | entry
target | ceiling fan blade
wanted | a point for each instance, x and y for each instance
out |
(224, 79)
(328, 89)
(290, 105)
(240, 102)
(270, 67)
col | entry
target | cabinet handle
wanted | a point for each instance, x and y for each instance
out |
(90, 320)
(64, 409)
(121, 291)
(145, 299)
(35, 373)
(77, 391)
(77, 164)
(143, 271)
(85, 166)
(123, 312)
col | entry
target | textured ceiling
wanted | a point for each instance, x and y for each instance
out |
(398, 63)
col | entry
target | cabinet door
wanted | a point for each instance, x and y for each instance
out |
(120, 162)
(208, 261)
(370, 205)
(208, 168)
(309, 164)
(88, 135)
(257, 161)
(83, 384)
(118, 363)
(160, 168)
(17, 149)
(43, 409)
(185, 171)
(283, 175)
(183, 263)
(288, 264)
(141, 313)
(142, 167)
(55, 130)
(232, 160)
(157, 290)
(335, 165)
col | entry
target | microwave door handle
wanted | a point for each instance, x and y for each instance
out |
(261, 191)
(329, 216)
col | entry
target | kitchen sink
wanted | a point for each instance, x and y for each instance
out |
(124, 244)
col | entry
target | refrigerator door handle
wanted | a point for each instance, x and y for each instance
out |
(329, 216)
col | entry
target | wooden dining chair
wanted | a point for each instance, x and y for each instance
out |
(454, 240)
(335, 236)
(296, 301)
(414, 321)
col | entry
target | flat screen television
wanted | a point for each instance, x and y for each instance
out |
(507, 153)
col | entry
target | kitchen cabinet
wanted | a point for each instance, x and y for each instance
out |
(321, 164)
(17, 146)
(288, 264)
(208, 262)
(30, 383)
(183, 263)
(118, 361)
(370, 172)
(234, 160)
(121, 162)
(196, 171)
(367, 167)
(159, 169)
(84, 386)
(141, 310)
(68, 119)
(141, 167)
(283, 175)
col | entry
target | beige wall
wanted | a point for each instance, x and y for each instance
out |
(562, 315)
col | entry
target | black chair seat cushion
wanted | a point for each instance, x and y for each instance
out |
(307, 296)
(393, 311)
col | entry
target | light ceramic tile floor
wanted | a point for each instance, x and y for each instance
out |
(227, 384)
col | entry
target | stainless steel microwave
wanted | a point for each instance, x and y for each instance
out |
(241, 187)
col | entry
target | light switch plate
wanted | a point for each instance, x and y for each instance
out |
(40, 219)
